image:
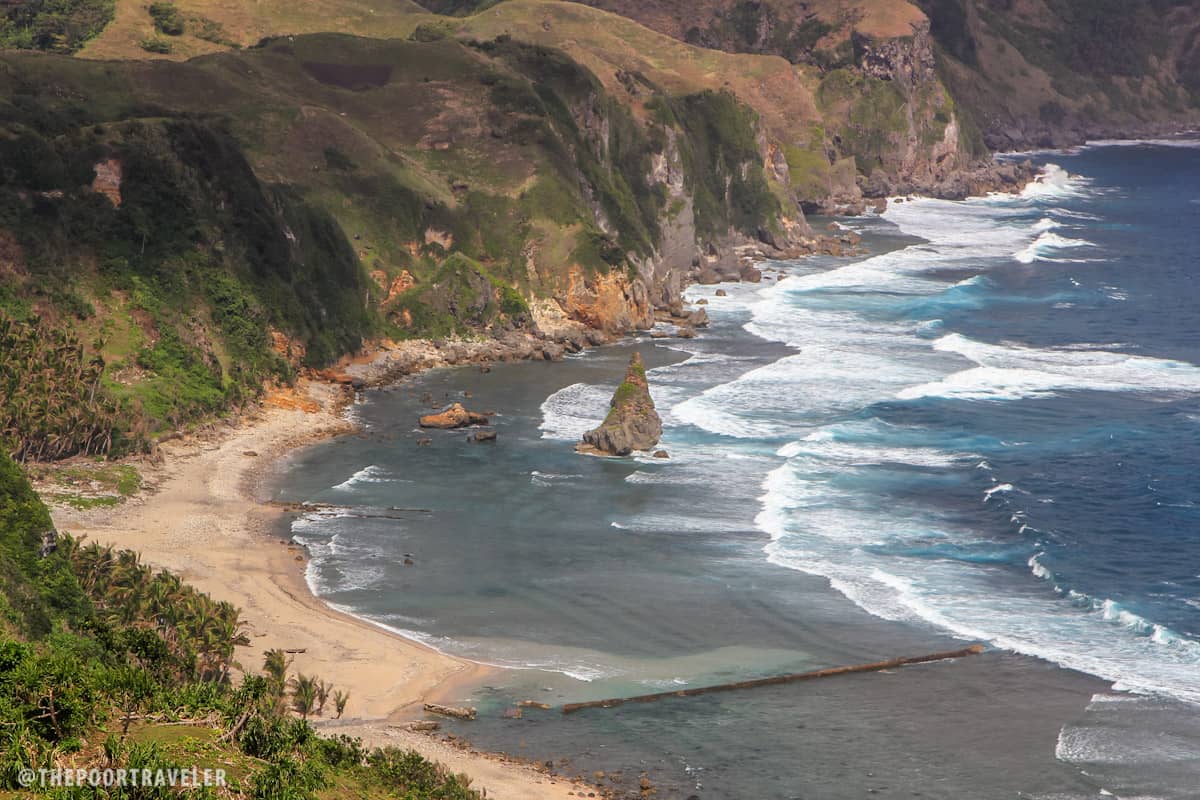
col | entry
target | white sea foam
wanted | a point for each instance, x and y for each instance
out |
(1011, 372)
(1002, 488)
(820, 446)
(369, 474)
(579, 670)
(546, 479)
(1054, 182)
(1181, 142)
(1046, 246)
(817, 528)
(1104, 744)
(572, 411)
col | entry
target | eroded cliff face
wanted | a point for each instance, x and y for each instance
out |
(890, 112)
(882, 121)
(685, 244)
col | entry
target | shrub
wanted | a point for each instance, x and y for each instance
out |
(61, 26)
(167, 19)
(155, 44)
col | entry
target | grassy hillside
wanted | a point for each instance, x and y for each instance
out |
(802, 31)
(184, 231)
(151, 304)
(106, 664)
(173, 233)
(209, 26)
(1055, 71)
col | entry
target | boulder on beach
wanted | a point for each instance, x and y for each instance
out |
(632, 423)
(453, 417)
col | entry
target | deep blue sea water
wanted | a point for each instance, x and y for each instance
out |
(987, 430)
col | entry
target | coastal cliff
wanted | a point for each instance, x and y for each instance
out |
(1057, 73)
(632, 422)
(229, 200)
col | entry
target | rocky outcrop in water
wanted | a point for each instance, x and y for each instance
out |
(632, 423)
(453, 417)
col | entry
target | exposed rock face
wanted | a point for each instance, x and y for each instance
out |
(632, 423)
(108, 180)
(453, 417)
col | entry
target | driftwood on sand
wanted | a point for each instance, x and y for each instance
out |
(776, 680)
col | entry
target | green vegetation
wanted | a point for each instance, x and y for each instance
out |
(172, 292)
(101, 659)
(167, 18)
(459, 8)
(1107, 62)
(286, 189)
(721, 160)
(208, 30)
(809, 171)
(874, 111)
(85, 502)
(462, 297)
(60, 26)
(948, 24)
(52, 401)
(752, 26)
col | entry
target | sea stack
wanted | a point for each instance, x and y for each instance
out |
(632, 423)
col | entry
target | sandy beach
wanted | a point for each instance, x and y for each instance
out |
(199, 516)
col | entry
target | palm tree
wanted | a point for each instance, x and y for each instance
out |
(339, 702)
(275, 664)
(323, 690)
(304, 695)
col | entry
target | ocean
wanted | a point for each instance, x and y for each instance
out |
(986, 428)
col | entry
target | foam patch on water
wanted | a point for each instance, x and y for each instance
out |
(1047, 246)
(822, 529)
(1100, 744)
(1011, 372)
(369, 474)
(552, 479)
(822, 447)
(1183, 142)
(1055, 183)
(573, 411)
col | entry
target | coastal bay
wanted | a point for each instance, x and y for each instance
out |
(202, 517)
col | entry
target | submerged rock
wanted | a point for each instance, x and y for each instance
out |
(632, 423)
(453, 417)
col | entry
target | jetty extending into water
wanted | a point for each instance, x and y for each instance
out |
(776, 680)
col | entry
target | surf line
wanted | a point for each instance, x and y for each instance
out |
(973, 650)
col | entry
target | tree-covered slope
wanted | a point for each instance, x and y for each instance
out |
(106, 664)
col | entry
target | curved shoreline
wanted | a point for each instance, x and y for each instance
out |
(201, 516)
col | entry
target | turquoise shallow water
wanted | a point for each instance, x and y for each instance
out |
(983, 431)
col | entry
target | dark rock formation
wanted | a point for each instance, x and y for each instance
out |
(453, 417)
(632, 423)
